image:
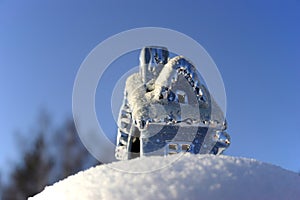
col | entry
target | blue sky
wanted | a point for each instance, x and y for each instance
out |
(255, 45)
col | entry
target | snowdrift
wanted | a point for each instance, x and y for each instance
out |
(189, 177)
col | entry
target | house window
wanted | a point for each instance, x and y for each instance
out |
(181, 96)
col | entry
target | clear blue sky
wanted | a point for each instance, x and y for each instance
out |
(255, 44)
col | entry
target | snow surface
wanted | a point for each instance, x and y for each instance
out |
(189, 177)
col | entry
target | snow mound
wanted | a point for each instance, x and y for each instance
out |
(189, 177)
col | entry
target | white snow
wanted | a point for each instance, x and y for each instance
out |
(189, 177)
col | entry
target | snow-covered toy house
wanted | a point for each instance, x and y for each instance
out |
(167, 110)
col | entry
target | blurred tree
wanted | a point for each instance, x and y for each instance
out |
(73, 155)
(32, 175)
(53, 154)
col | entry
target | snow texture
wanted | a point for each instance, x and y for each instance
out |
(189, 177)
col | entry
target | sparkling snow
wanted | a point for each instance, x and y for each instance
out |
(189, 177)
